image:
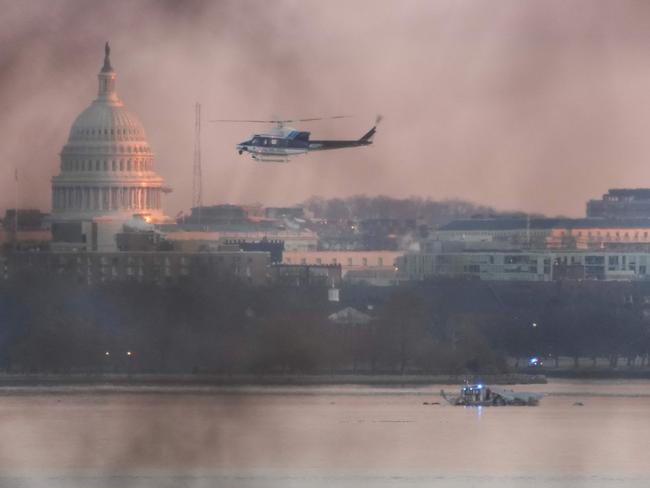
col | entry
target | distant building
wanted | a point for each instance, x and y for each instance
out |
(338, 235)
(306, 274)
(106, 174)
(286, 212)
(183, 240)
(30, 230)
(385, 233)
(543, 265)
(543, 233)
(273, 247)
(148, 267)
(372, 267)
(216, 214)
(621, 203)
(129, 241)
(514, 232)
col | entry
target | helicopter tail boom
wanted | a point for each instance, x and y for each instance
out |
(364, 140)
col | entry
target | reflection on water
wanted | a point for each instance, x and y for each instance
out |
(313, 437)
(320, 481)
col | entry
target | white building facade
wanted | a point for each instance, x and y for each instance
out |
(107, 165)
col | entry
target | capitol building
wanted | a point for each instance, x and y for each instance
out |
(107, 169)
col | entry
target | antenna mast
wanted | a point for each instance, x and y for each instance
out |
(197, 179)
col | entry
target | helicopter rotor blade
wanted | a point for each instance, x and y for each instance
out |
(281, 121)
(248, 121)
(320, 118)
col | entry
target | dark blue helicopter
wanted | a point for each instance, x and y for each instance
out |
(282, 142)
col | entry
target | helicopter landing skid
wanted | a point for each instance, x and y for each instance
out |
(270, 160)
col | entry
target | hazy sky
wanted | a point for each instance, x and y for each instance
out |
(532, 105)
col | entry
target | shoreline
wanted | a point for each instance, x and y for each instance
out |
(194, 380)
(198, 381)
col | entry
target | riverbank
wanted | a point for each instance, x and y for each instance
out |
(10, 380)
(598, 374)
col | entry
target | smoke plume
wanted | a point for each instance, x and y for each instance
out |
(524, 105)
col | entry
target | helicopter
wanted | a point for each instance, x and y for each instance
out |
(282, 142)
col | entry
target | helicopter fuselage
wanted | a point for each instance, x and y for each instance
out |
(284, 142)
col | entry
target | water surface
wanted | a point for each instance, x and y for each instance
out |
(322, 436)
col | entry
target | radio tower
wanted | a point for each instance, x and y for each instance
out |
(197, 180)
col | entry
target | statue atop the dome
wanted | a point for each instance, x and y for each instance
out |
(107, 59)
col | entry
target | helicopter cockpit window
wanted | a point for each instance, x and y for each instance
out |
(256, 141)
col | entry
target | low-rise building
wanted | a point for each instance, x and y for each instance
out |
(191, 241)
(348, 260)
(307, 274)
(370, 267)
(545, 233)
(150, 267)
(543, 265)
(621, 203)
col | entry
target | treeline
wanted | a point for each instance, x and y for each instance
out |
(447, 326)
(361, 207)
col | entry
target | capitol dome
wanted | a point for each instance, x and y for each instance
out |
(107, 165)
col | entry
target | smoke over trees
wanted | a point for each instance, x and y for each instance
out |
(447, 326)
(361, 207)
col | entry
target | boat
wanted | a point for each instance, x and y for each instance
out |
(480, 395)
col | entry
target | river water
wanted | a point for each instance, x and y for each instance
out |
(315, 437)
